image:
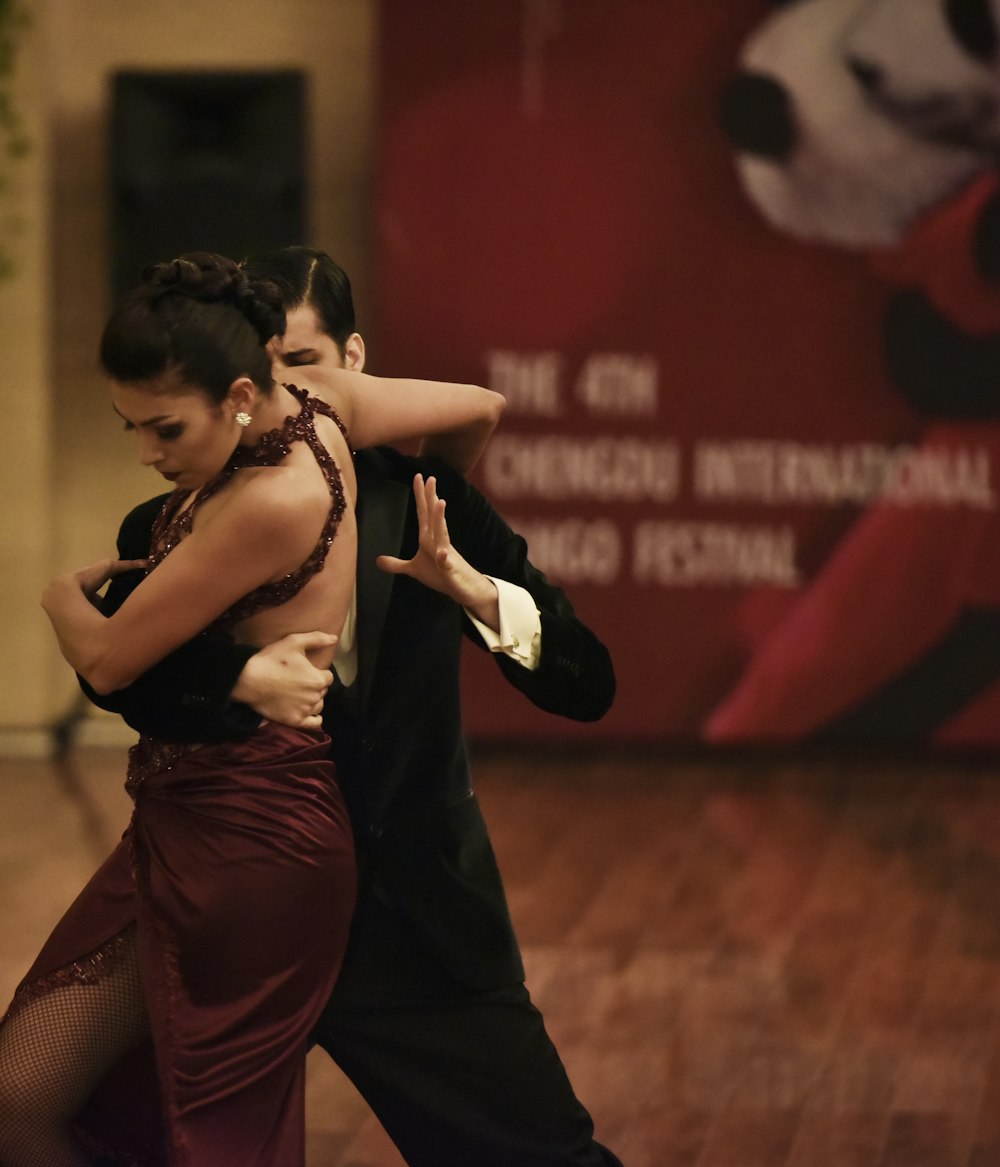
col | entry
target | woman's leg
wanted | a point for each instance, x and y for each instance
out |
(55, 1049)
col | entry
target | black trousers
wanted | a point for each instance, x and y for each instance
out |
(457, 1077)
(474, 1082)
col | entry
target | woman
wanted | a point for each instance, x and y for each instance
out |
(193, 929)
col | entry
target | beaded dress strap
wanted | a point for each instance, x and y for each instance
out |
(174, 523)
(270, 449)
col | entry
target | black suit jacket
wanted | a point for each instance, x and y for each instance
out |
(423, 849)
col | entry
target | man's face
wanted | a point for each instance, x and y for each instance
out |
(304, 343)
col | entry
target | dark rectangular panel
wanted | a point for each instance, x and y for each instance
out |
(205, 161)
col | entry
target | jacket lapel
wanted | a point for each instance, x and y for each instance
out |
(381, 514)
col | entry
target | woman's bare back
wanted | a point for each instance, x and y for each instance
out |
(315, 480)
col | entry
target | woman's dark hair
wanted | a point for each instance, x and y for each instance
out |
(199, 316)
(304, 275)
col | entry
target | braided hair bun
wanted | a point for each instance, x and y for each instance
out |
(198, 317)
(211, 278)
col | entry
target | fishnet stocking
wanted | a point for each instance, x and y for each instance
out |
(55, 1049)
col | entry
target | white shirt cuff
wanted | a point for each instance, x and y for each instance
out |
(520, 634)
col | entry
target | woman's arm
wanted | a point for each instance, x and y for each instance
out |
(71, 602)
(454, 421)
(263, 531)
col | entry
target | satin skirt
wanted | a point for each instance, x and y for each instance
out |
(236, 881)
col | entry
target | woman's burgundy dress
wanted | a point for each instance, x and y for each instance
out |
(236, 881)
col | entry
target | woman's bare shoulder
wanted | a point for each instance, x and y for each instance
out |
(277, 504)
(330, 385)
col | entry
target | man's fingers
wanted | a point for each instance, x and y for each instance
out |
(420, 498)
(434, 505)
(392, 565)
(440, 526)
(309, 641)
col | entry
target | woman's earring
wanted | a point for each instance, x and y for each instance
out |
(243, 418)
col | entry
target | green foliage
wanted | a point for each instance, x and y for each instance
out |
(14, 141)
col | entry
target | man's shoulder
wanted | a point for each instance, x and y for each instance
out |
(136, 526)
(383, 462)
(387, 462)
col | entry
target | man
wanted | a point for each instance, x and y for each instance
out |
(430, 1017)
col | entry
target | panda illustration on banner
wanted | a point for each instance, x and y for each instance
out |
(932, 67)
(874, 125)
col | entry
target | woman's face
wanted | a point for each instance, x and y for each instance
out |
(304, 342)
(182, 434)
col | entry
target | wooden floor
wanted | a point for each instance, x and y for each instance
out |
(744, 963)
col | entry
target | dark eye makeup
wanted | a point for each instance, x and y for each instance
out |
(166, 433)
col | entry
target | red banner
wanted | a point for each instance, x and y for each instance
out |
(731, 304)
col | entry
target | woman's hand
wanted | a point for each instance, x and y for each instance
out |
(71, 604)
(91, 579)
(438, 565)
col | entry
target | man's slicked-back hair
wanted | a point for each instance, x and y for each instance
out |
(305, 275)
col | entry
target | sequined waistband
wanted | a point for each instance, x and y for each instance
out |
(149, 756)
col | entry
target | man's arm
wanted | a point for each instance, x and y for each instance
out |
(574, 676)
(189, 696)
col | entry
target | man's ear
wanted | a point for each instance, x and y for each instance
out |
(242, 396)
(354, 352)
